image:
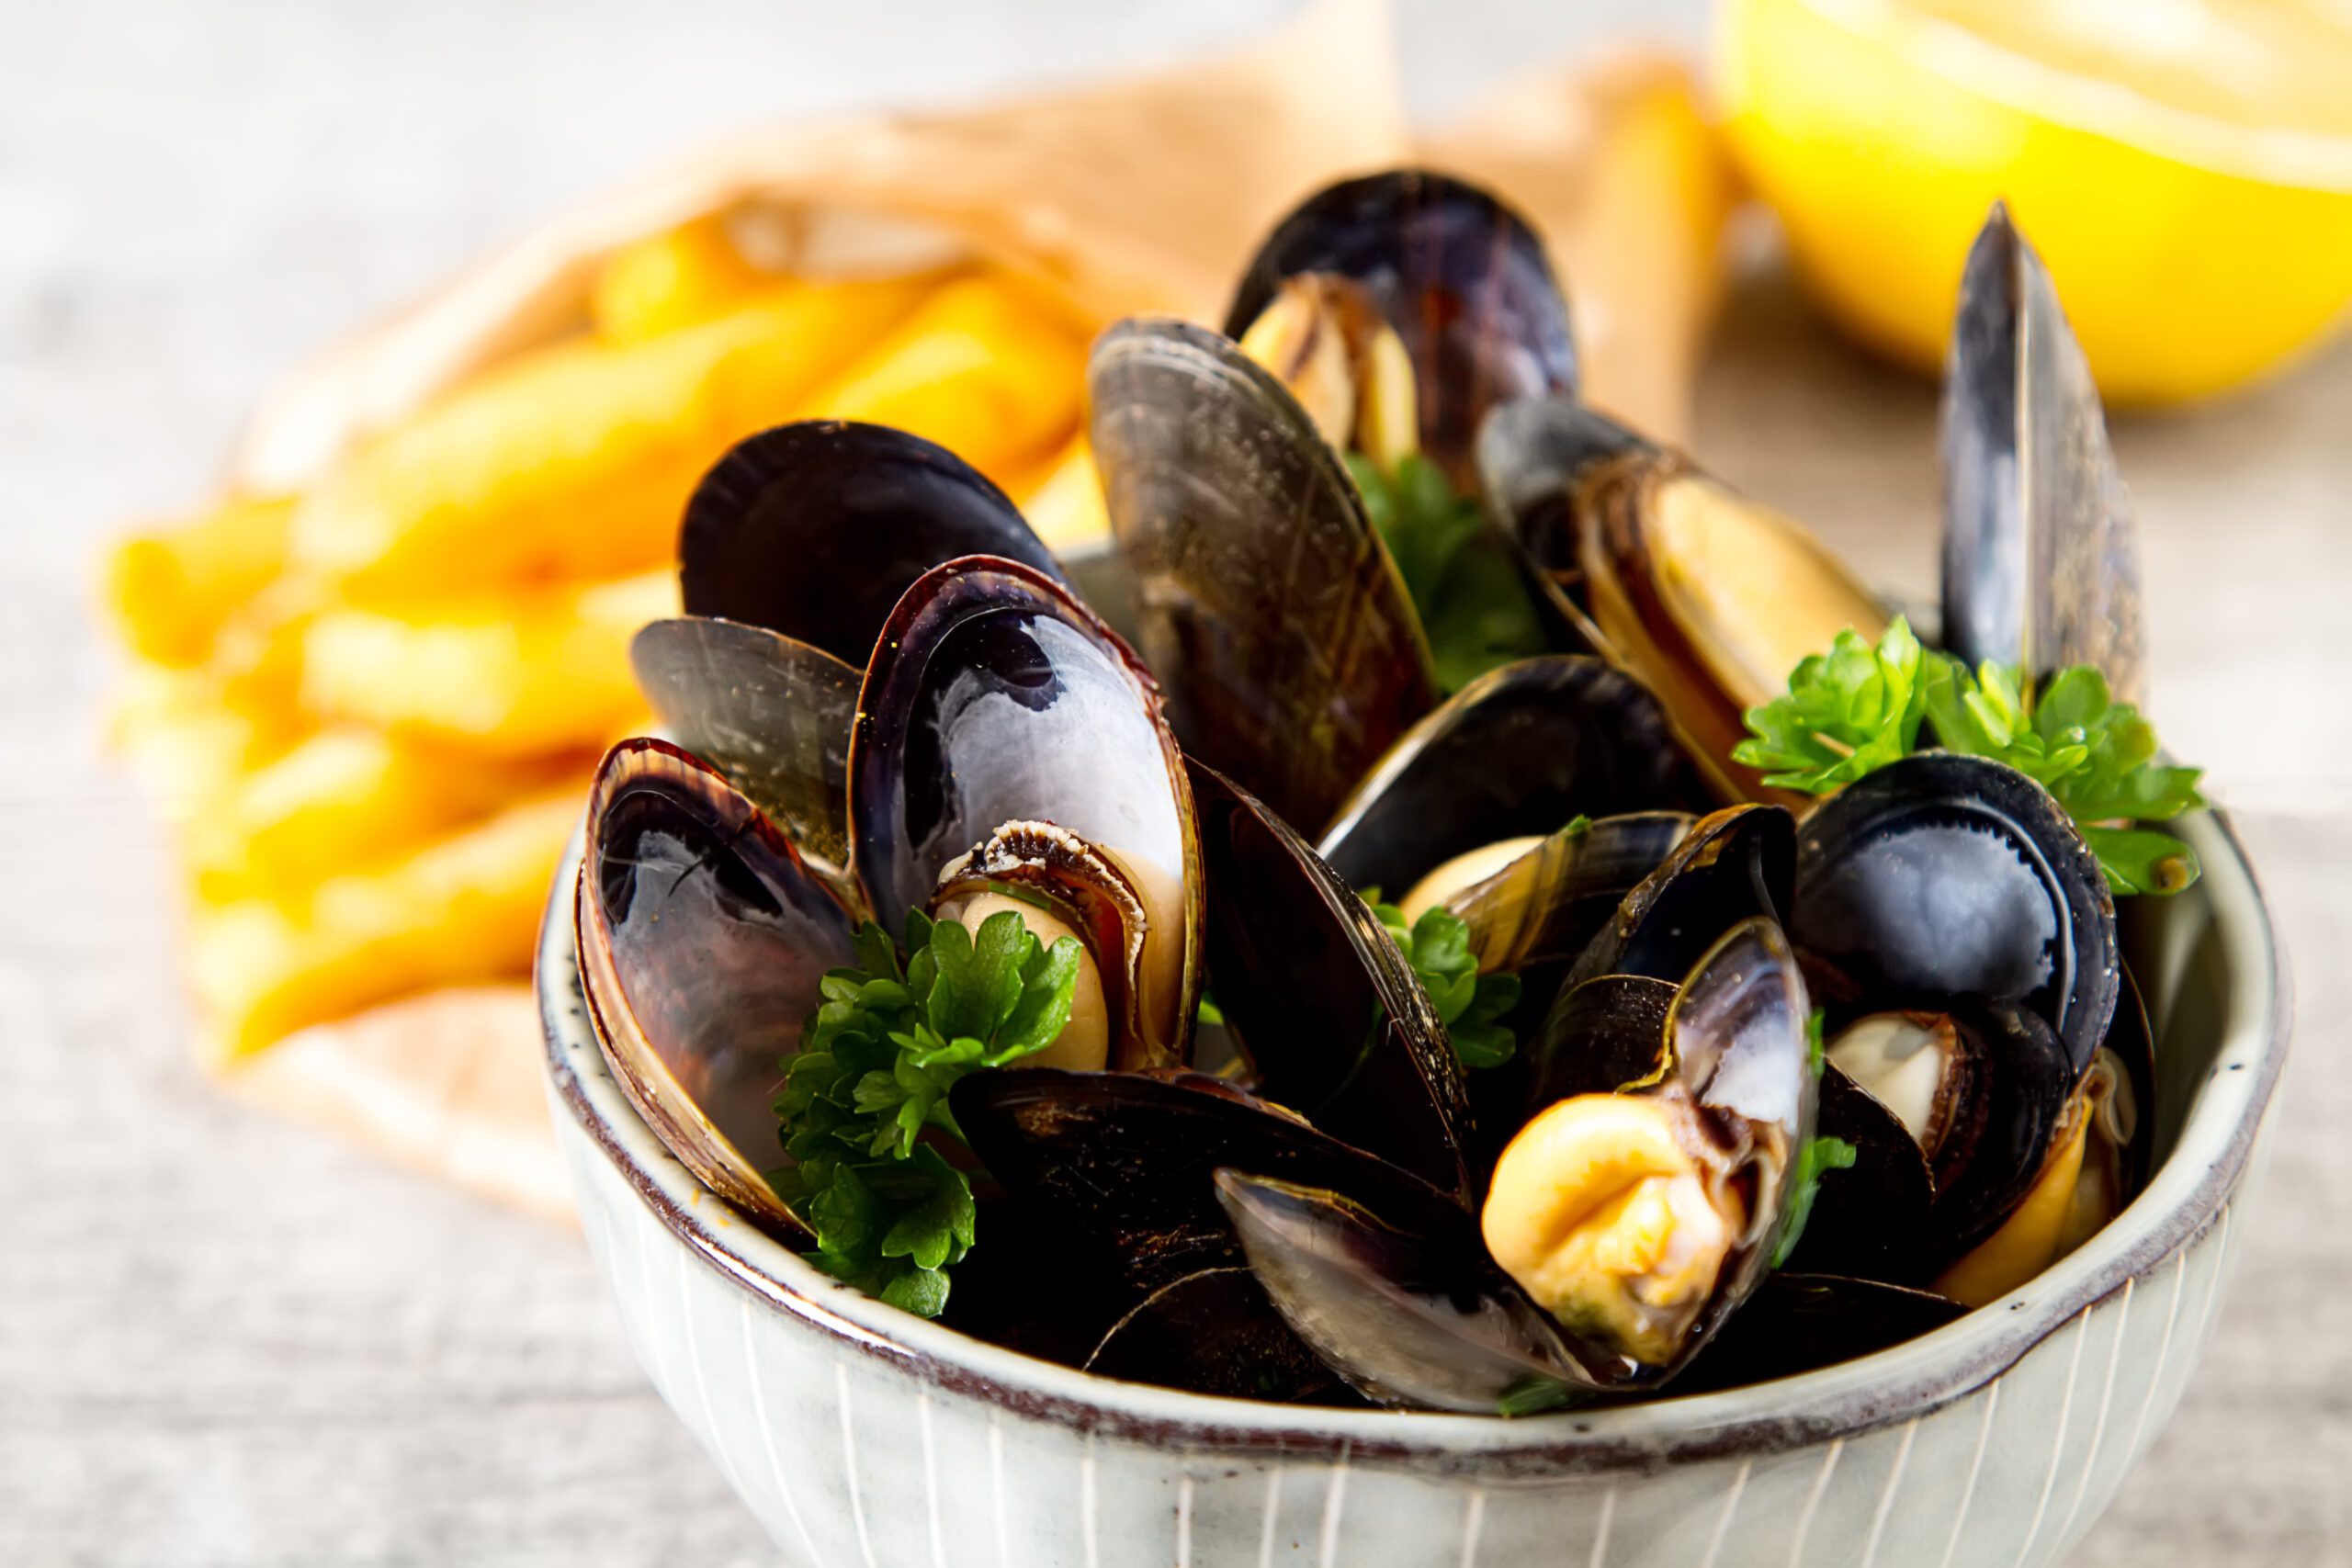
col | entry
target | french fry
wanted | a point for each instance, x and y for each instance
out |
(575, 461)
(186, 749)
(672, 279)
(982, 368)
(170, 592)
(463, 908)
(514, 675)
(1063, 500)
(345, 799)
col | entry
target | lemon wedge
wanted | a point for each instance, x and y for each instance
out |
(2183, 167)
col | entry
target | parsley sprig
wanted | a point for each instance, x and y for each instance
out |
(1471, 600)
(1858, 708)
(1471, 1005)
(1848, 712)
(1819, 1156)
(870, 1081)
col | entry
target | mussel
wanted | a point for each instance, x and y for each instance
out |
(703, 939)
(1392, 311)
(2041, 559)
(1961, 930)
(1292, 651)
(1508, 761)
(814, 530)
(1454, 272)
(1947, 876)
(1004, 751)
(1009, 745)
(1621, 1227)
(760, 676)
(1708, 597)
(1334, 1021)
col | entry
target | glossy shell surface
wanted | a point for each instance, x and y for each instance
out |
(1290, 651)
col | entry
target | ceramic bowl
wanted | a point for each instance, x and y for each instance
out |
(861, 1436)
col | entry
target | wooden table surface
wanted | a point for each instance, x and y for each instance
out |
(225, 1341)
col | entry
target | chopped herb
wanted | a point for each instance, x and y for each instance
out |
(2096, 755)
(1857, 708)
(1471, 602)
(1819, 1156)
(1471, 1005)
(1848, 712)
(865, 1101)
(1532, 1395)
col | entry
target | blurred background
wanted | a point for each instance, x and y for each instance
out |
(227, 1340)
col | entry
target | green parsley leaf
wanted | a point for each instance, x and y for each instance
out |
(2095, 756)
(1857, 708)
(1848, 711)
(1473, 605)
(1818, 1157)
(1532, 1395)
(865, 1101)
(1471, 1005)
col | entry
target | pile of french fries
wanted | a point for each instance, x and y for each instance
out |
(372, 706)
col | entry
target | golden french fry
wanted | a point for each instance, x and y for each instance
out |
(672, 279)
(576, 460)
(345, 799)
(170, 730)
(170, 592)
(983, 368)
(189, 735)
(1064, 501)
(463, 908)
(520, 674)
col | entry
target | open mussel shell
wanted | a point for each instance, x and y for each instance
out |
(1599, 1036)
(1936, 1170)
(1292, 653)
(995, 697)
(1122, 1162)
(1640, 1216)
(1800, 1322)
(1537, 915)
(1215, 1332)
(1461, 277)
(1733, 866)
(1945, 877)
(1331, 1014)
(703, 941)
(1518, 752)
(2041, 566)
(1738, 1042)
(772, 713)
(1534, 458)
(1408, 1319)
(1710, 598)
(814, 529)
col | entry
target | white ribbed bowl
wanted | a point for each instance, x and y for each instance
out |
(861, 1436)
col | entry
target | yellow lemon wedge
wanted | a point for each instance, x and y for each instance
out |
(2183, 167)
